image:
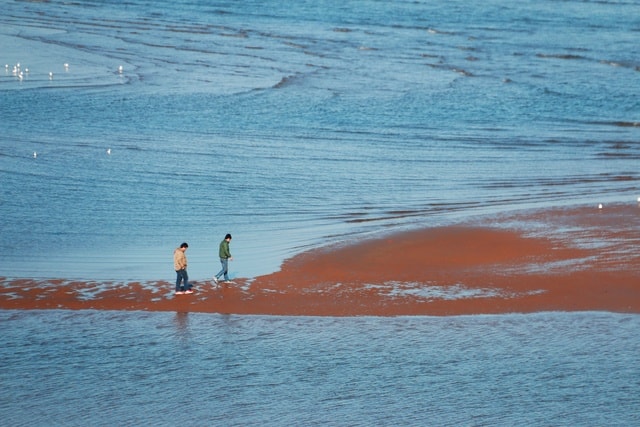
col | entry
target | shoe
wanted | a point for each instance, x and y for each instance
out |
(215, 280)
(179, 293)
(188, 291)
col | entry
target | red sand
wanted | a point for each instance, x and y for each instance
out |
(579, 259)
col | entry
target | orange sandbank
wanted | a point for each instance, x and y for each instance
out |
(577, 259)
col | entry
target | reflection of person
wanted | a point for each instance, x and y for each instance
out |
(181, 322)
(225, 256)
(180, 265)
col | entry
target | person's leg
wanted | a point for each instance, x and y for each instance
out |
(225, 267)
(178, 280)
(222, 271)
(182, 277)
(185, 276)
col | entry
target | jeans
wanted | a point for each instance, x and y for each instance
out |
(182, 276)
(225, 269)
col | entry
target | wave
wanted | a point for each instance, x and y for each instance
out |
(616, 123)
(285, 81)
(561, 56)
(626, 124)
(574, 57)
(564, 181)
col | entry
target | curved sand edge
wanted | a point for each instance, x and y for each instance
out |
(575, 259)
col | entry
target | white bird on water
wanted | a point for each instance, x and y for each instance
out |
(35, 155)
(108, 150)
(120, 69)
(600, 206)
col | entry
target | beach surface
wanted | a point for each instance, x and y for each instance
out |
(563, 259)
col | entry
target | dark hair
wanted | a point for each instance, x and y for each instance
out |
(228, 236)
(184, 245)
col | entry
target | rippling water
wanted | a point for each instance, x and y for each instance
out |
(293, 125)
(117, 368)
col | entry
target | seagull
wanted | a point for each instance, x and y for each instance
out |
(35, 154)
(108, 150)
(120, 69)
(600, 206)
(50, 75)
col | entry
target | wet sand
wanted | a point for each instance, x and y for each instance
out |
(578, 259)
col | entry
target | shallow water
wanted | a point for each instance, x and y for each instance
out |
(292, 126)
(123, 368)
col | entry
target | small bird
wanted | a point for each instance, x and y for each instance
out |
(35, 155)
(50, 75)
(108, 150)
(120, 69)
(600, 206)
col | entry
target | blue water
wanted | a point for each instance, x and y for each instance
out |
(296, 125)
(117, 368)
(293, 125)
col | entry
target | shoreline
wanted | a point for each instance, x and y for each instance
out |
(573, 259)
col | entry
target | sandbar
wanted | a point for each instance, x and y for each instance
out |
(562, 259)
